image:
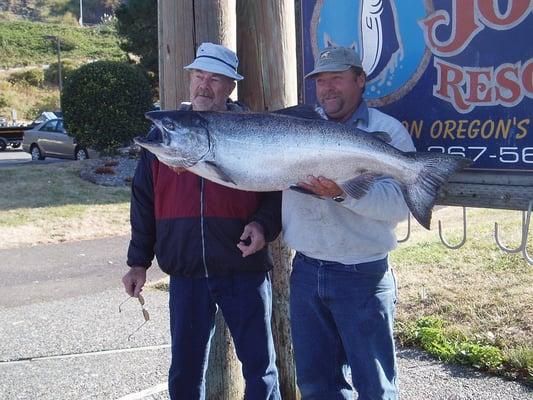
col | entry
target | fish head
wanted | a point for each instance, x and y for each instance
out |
(184, 139)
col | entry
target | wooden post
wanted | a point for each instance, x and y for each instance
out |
(267, 53)
(183, 26)
(266, 45)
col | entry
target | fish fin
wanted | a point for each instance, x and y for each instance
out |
(299, 111)
(436, 170)
(384, 136)
(359, 186)
(219, 172)
(302, 190)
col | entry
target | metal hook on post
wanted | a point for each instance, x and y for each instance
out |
(522, 242)
(526, 217)
(525, 234)
(462, 242)
(408, 230)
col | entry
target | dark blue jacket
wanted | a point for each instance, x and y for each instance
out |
(193, 225)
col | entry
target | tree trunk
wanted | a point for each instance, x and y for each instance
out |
(183, 26)
(267, 52)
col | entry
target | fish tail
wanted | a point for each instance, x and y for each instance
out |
(421, 195)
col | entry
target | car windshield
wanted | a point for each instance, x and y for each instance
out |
(48, 115)
(50, 126)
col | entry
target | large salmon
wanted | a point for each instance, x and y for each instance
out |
(271, 151)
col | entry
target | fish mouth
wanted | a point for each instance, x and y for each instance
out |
(147, 143)
(153, 143)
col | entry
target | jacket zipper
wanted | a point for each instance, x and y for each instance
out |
(202, 224)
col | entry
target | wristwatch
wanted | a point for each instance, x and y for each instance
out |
(339, 198)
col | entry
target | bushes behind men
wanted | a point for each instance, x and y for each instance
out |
(104, 104)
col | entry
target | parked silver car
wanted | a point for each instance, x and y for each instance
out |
(50, 139)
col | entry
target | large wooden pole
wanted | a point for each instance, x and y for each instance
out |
(183, 26)
(267, 52)
(266, 45)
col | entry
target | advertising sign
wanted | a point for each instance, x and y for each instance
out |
(457, 73)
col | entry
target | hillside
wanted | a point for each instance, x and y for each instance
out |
(24, 43)
(64, 11)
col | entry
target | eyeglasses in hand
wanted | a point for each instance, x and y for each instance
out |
(144, 311)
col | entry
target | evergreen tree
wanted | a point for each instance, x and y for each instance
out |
(137, 27)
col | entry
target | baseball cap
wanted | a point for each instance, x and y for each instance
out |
(335, 59)
(217, 59)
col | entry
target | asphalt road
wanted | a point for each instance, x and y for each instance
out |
(62, 337)
(12, 157)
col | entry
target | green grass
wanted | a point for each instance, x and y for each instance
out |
(473, 305)
(50, 203)
(430, 333)
(52, 185)
(23, 43)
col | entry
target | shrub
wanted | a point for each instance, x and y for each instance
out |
(45, 102)
(51, 75)
(104, 104)
(66, 19)
(32, 77)
(431, 334)
(520, 361)
(3, 101)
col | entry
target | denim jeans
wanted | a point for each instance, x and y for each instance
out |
(342, 316)
(245, 300)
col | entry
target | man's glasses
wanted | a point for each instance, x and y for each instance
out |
(144, 311)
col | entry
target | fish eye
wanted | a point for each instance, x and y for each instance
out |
(168, 124)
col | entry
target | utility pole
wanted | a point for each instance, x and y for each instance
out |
(183, 25)
(81, 13)
(58, 48)
(266, 44)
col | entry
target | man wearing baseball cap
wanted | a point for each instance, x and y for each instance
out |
(211, 240)
(343, 291)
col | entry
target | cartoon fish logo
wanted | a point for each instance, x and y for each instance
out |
(379, 38)
(377, 30)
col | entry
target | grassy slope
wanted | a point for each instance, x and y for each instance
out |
(23, 43)
(480, 293)
(29, 101)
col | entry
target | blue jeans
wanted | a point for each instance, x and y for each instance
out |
(343, 315)
(245, 300)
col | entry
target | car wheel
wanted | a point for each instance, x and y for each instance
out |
(81, 154)
(3, 145)
(36, 153)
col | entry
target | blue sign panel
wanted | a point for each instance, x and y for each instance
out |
(457, 73)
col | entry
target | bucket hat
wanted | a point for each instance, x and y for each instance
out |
(217, 59)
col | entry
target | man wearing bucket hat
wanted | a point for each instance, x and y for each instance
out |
(343, 292)
(210, 239)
